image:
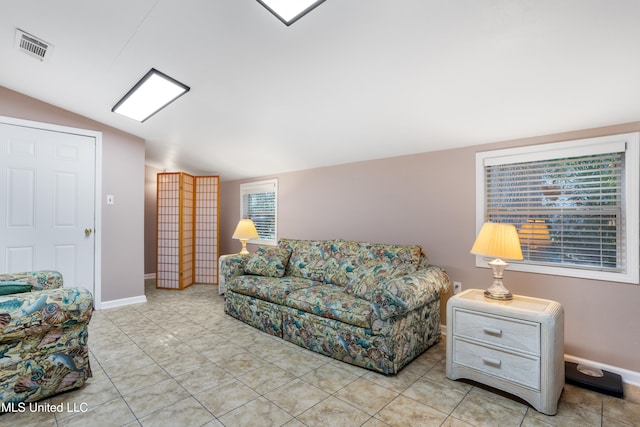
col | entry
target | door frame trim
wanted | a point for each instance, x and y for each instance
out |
(97, 242)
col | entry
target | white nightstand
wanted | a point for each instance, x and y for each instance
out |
(516, 346)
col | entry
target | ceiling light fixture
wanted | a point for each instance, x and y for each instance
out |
(151, 94)
(289, 11)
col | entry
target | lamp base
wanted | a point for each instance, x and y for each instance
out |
(497, 290)
(244, 250)
(503, 297)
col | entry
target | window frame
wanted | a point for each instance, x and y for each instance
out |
(261, 187)
(579, 147)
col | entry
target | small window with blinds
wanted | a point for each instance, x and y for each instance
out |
(258, 202)
(574, 204)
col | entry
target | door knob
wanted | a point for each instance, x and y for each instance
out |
(87, 231)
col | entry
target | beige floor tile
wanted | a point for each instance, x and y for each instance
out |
(221, 351)
(366, 396)
(28, 418)
(631, 392)
(437, 395)
(91, 395)
(333, 412)
(294, 423)
(352, 369)
(480, 411)
(141, 378)
(242, 363)
(114, 413)
(267, 378)
(501, 398)
(226, 397)
(185, 413)
(374, 422)
(569, 413)
(204, 378)
(621, 410)
(454, 422)
(437, 375)
(297, 396)
(300, 363)
(403, 411)
(398, 383)
(181, 363)
(149, 399)
(275, 351)
(258, 412)
(206, 341)
(120, 366)
(329, 378)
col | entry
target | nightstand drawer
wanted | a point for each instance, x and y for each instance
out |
(509, 366)
(497, 330)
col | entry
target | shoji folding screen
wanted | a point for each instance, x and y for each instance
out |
(187, 230)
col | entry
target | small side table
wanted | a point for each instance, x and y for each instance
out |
(516, 346)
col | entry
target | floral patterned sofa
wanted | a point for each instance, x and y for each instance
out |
(371, 305)
(43, 337)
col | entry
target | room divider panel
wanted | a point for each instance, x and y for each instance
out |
(187, 230)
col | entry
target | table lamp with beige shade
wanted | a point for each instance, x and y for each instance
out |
(498, 241)
(245, 230)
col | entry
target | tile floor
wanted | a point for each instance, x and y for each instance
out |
(178, 360)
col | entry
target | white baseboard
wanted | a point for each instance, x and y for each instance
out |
(149, 276)
(122, 302)
(628, 377)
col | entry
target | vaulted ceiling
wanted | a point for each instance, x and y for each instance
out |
(352, 80)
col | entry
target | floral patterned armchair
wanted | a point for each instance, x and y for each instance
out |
(43, 336)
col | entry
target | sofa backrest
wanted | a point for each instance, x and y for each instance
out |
(334, 261)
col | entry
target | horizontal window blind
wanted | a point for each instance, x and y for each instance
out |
(569, 211)
(259, 203)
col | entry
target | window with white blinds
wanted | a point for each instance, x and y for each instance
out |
(575, 205)
(259, 202)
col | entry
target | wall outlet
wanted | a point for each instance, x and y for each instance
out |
(457, 287)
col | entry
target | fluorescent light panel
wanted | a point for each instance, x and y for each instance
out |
(151, 94)
(289, 11)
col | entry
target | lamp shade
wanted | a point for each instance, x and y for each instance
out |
(245, 230)
(498, 240)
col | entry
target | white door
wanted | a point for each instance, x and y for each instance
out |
(47, 205)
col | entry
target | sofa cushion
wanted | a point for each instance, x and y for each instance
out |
(343, 261)
(14, 287)
(308, 258)
(394, 254)
(401, 294)
(272, 289)
(268, 262)
(369, 275)
(331, 301)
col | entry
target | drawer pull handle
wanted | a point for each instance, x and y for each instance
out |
(493, 331)
(492, 362)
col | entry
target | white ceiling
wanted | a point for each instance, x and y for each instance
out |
(352, 80)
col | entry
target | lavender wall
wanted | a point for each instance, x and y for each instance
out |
(429, 199)
(122, 176)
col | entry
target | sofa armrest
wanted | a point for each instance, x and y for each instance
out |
(399, 295)
(36, 312)
(40, 280)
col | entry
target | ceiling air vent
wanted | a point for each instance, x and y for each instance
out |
(32, 45)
